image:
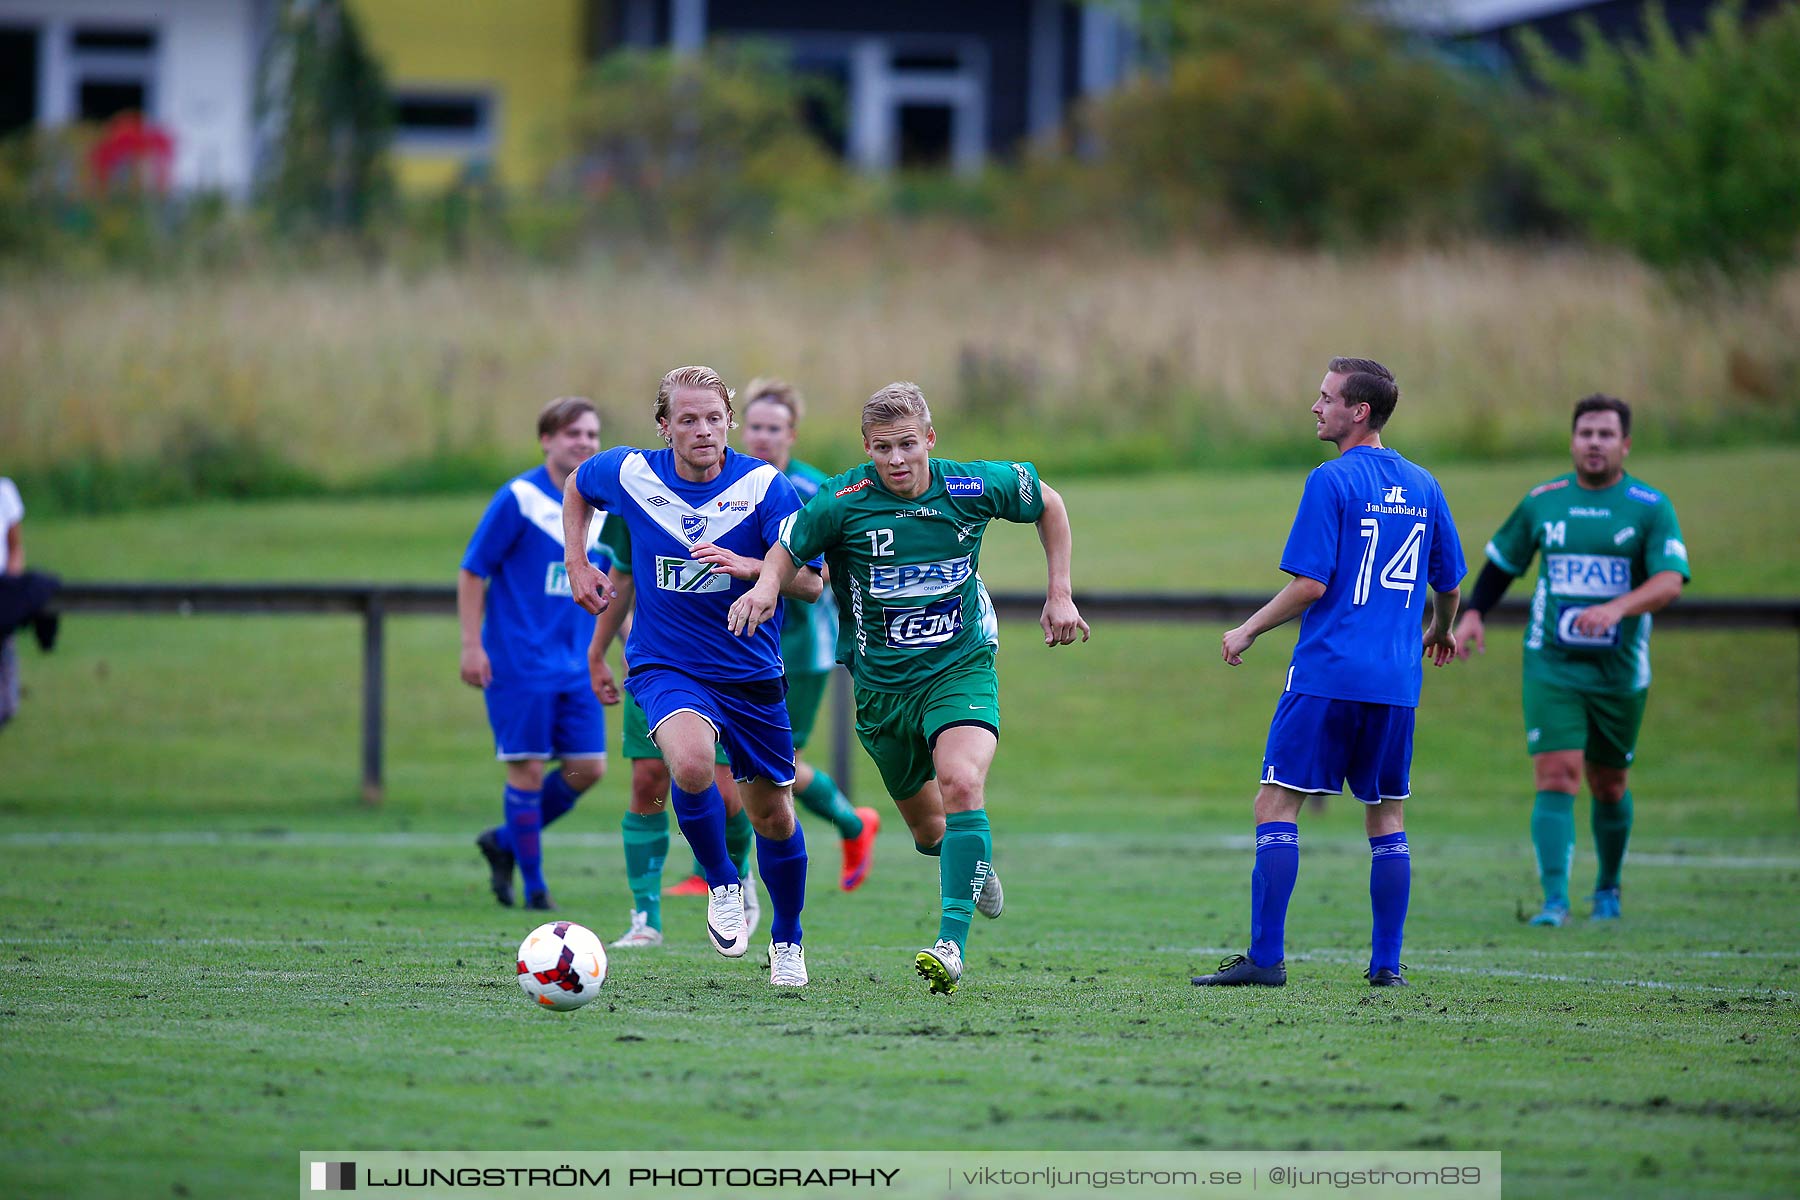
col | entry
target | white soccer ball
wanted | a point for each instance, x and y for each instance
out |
(562, 965)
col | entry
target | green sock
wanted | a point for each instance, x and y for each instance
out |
(823, 797)
(967, 849)
(1612, 829)
(738, 836)
(1553, 833)
(646, 845)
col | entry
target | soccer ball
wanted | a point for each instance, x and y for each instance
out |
(562, 965)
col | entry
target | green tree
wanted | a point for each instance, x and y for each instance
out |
(694, 147)
(325, 109)
(1298, 119)
(1688, 155)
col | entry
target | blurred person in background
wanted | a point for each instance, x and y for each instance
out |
(525, 646)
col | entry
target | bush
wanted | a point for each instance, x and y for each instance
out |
(1688, 156)
(678, 148)
(1301, 120)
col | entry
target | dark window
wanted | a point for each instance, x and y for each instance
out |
(99, 100)
(440, 114)
(18, 79)
(925, 135)
(141, 41)
(923, 60)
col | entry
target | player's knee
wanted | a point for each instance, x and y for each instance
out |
(692, 777)
(527, 776)
(962, 792)
(1607, 788)
(583, 774)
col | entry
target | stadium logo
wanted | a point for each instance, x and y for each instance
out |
(1394, 495)
(921, 628)
(921, 511)
(693, 528)
(1590, 512)
(963, 485)
(686, 575)
(334, 1177)
(858, 486)
(901, 581)
(1588, 576)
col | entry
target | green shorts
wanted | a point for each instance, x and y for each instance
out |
(636, 741)
(804, 694)
(899, 729)
(1602, 725)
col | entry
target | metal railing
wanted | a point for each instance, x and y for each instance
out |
(375, 602)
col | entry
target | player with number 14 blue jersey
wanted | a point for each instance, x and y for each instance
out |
(1372, 531)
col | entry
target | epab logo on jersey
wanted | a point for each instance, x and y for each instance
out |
(921, 628)
(963, 485)
(908, 581)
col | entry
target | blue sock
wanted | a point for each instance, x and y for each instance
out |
(1271, 886)
(783, 867)
(559, 797)
(524, 818)
(1390, 884)
(701, 816)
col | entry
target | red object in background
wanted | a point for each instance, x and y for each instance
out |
(131, 151)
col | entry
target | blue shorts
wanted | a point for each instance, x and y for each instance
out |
(529, 723)
(1315, 744)
(749, 719)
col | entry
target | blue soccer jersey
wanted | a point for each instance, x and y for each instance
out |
(1374, 529)
(682, 604)
(534, 636)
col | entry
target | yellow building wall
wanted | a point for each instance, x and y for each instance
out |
(527, 54)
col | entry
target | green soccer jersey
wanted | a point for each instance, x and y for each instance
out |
(1594, 545)
(905, 572)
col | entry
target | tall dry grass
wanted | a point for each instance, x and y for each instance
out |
(1086, 357)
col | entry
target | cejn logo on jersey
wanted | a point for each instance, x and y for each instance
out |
(1568, 635)
(1588, 576)
(921, 628)
(686, 575)
(902, 581)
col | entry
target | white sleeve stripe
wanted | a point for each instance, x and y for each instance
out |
(1499, 560)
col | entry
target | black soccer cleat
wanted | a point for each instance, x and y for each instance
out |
(1387, 978)
(1239, 971)
(500, 863)
(540, 902)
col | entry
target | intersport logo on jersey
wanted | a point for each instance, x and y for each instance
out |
(903, 581)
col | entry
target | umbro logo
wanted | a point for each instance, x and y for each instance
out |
(1394, 495)
(659, 501)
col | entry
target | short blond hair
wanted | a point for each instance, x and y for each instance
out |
(895, 402)
(562, 412)
(775, 391)
(704, 378)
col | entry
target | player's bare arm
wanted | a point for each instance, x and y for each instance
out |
(1284, 606)
(471, 602)
(1061, 620)
(808, 585)
(1653, 595)
(606, 629)
(1440, 642)
(757, 605)
(1471, 624)
(588, 585)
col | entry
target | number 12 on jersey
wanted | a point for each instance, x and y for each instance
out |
(1401, 571)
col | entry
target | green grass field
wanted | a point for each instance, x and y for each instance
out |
(214, 957)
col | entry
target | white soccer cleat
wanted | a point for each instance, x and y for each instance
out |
(641, 933)
(752, 906)
(992, 901)
(941, 966)
(725, 920)
(787, 964)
